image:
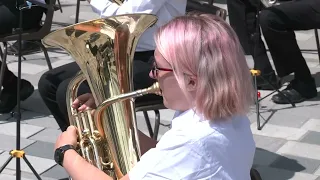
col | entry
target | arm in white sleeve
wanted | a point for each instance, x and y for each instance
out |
(106, 8)
(101, 6)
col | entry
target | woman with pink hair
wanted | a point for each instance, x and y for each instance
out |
(203, 74)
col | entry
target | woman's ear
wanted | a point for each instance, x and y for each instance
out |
(191, 83)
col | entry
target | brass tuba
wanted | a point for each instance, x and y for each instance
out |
(104, 50)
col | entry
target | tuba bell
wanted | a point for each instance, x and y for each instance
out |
(104, 50)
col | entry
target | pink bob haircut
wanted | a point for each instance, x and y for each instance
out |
(206, 47)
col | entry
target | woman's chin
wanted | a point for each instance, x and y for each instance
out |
(167, 104)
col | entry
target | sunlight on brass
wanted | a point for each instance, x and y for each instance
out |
(104, 50)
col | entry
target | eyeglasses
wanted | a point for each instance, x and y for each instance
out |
(155, 70)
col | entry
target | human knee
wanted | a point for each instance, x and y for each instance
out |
(45, 84)
(269, 20)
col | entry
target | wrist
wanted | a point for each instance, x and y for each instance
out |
(60, 152)
(69, 157)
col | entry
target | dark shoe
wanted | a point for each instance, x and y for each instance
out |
(297, 92)
(291, 94)
(27, 47)
(9, 97)
(268, 81)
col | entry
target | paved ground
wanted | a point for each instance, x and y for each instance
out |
(288, 146)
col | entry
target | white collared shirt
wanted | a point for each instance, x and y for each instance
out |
(165, 10)
(199, 149)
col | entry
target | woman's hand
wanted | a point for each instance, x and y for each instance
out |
(69, 137)
(84, 102)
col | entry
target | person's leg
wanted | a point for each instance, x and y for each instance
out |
(243, 19)
(238, 17)
(48, 86)
(278, 24)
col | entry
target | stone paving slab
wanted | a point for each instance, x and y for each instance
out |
(268, 143)
(40, 149)
(8, 143)
(26, 129)
(10, 177)
(296, 164)
(56, 172)
(33, 177)
(47, 135)
(312, 137)
(276, 131)
(46, 121)
(40, 164)
(269, 173)
(264, 157)
(300, 149)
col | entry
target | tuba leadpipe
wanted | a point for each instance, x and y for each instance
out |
(104, 50)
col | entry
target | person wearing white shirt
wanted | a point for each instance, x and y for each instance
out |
(203, 74)
(54, 83)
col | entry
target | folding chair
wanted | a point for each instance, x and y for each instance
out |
(30, 35)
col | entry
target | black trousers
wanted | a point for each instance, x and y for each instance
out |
(243, 19)
(9, 19)
(278, 24)
(53, 84)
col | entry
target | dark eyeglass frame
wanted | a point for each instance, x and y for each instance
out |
(155, 70)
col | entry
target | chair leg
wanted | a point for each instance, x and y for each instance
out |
(77, 11)
(4, 63)
(317, 42)
(146, 117)
(60, 6)
(156, 125)
(44, 49)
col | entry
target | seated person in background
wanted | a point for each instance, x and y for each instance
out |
(203, 73)
(243, 19)
(278, 24)
(9, 19)
(53, 84)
